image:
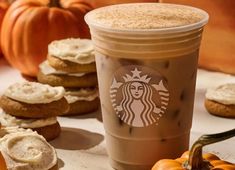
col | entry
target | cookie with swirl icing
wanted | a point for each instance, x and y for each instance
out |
(72, 55)
(33, 100)
(220, 101)
(25, 149)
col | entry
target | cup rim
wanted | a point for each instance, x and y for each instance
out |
(176, 29)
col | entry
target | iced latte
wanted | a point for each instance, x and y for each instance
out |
(146, 56)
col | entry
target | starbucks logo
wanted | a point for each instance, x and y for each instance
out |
(139, 95)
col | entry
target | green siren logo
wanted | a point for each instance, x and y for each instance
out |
(139, 97)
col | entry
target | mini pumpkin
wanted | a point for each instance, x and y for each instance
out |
(2, 163)
(195, 160)
(30, 25)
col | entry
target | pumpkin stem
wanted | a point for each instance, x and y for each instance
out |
(54, 3)
(196, 161)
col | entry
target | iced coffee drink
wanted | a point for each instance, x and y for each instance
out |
(146, 56)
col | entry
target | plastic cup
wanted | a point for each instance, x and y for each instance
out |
(147, 81)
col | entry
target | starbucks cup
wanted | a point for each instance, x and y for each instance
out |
(146, 57)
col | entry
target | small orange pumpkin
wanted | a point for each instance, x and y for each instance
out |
(2, 163)
(30, 25)
(194, 160)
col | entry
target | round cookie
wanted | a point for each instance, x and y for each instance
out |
(72, 55)
(220, 101)
(49, 128)
(49, 132)
(219, 109)
(25, 110)
(33, 100)
(87, 80)
(24, 149)
(70, 67)
(82, 101)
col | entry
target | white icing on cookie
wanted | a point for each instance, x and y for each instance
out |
(8, 120)
(34, 93)
(27, 151)
(79, 51)
(13, 129)
(47, 69)
(224, 94)
(81, 95)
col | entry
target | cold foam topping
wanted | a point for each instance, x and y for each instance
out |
(47, 69)
(87, 94)
(144, 16)
(79, 51)
(34, 93)
(224, 94)
(8, 120)
(28, 151)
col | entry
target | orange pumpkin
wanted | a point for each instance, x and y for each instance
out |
(2, 163)
(3, 9)
(30, 25)
(195, 160)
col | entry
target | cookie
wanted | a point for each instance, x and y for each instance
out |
(70, 67)
(82, 101)
(220, 101)
(72, 55)
(21, 109)
(33, 100)
(24, 149)
(49, 132)
(49, 128)
(72, 81)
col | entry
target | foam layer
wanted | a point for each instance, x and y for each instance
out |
(145, 16)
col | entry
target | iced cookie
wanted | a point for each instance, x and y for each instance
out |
(33, 100)
(49, 127)
(72, 55)
(48, 75)
(220, 101)
(26, 150)
(82, 101)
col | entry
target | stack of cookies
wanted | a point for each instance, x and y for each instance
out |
(35, 106)
(71, 63)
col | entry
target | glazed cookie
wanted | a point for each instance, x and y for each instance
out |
(72, 55)
(49, 128)
(48, 75)
(33, 100)
(24, 149)
(82, 101)
(220, 101)
(70, 67)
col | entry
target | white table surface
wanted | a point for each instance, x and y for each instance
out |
(81, 145)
